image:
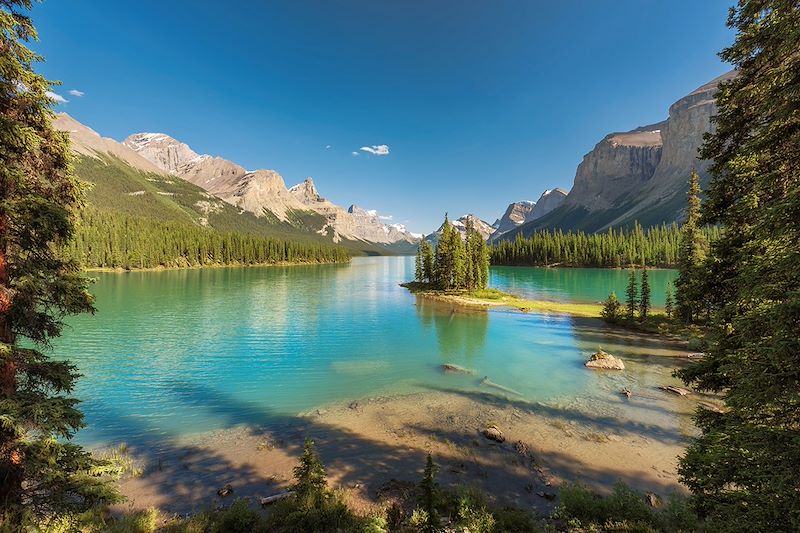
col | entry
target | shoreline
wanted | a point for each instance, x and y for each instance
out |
(162, 268)
(371, 445)
(494, 298)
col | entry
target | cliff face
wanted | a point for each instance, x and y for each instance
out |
(264, 192)
(621, 162)
(519, 213)
(548, 201)
(515, 215)
(640, 175)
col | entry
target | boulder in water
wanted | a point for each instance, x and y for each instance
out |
(493, 433)
(605, 361)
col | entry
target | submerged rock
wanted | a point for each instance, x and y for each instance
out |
(448, 368)
(489, 383)
(676, 390)
(606, 361)
(493, 433)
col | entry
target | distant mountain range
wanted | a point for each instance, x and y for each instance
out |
(639, 175)
(258, 199)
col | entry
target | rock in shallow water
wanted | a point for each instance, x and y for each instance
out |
(606, 361)
(493, 433)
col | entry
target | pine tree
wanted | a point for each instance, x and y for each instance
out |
(459, 261)
(668, 303)
(612, 309)
(443, 257)
(470, 270)
(427, 261)
(631, 296)
(691, 254)
(42, 473)
(743, 468)
(644, 299)
(310, 480)
(429, 494)
(418, 271)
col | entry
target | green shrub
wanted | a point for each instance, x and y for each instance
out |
(514, 520)
(472, 512)
(239, 518)
(136, 522)
(625, 510)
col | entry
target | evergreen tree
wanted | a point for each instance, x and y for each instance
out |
(310, 480)
(691, 254)
(668, 303)
(459, 261)
(631, 296)
(429, 494)
(418, 272)
(427, 261)
(644, 299)
(470, 271)
(443, 258)
(42, 474)
(612, 309)
(744, 468)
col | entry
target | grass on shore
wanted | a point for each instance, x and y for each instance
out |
(495, 298)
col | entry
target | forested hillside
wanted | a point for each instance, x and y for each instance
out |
(657, 246)
(137, 219)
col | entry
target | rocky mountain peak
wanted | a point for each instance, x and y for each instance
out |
(306, 191)
(519, 213)
(162, 150)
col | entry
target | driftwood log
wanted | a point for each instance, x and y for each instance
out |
(676, 390)
(276, 497)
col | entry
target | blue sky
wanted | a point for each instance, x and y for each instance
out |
(480, 103)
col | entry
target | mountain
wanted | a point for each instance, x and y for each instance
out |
(639, 175)
(125, 183)
(264, 193)
(461, 226)
(141, 178)
(519, 213)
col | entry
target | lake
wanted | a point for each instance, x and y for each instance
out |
(181, 352)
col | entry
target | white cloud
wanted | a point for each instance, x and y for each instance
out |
(386, 217)
(57, 98)
(376, 149)
(76, 92)
(355, 154)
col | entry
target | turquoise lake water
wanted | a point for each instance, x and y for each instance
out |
(180, 352)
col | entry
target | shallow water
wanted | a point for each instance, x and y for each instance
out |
(179, 352)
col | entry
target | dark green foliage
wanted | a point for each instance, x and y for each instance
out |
(668, 303)
(691, 254)
(239, 518)
(310, 481)
(644, 296)
(624, 510)
(427, 261)
(429, 494)
(631, 296)
(744, 469)
(457, 265)
(108, 240)
(43, 475)
(657, 246)
(612, 309)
